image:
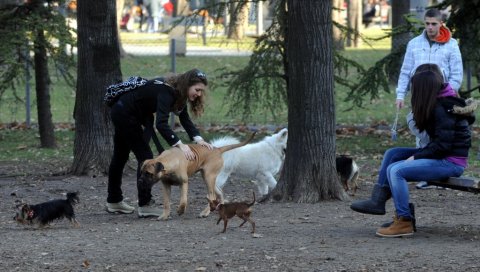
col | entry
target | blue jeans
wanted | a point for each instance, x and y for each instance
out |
(398, 173)
(393, 155)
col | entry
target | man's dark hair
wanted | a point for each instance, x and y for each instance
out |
(434, 13)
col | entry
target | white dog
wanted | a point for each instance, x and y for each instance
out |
(259, 162)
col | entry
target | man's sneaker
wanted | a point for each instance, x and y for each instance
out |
(424, 185)
(149, 211)
(120, 207)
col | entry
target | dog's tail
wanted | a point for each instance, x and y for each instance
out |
(253, 202)
(230, 147)
(72, 198)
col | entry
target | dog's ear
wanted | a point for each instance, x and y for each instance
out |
(145, 164)
(283, 135)
(159, 167)
(25, 207)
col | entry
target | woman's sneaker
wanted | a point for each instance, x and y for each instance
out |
(120, 207)
(149, 211)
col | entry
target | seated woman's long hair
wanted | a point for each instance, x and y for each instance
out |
(426, 84)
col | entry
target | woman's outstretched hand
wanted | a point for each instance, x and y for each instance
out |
(205, 144)
(187, 151)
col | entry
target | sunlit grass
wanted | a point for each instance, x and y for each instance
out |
(380, 110)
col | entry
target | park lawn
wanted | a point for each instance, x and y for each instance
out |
(212, 40)
(21, 144)
(63, 96)
(380, 110)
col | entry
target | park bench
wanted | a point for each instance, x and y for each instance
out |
(468, 184)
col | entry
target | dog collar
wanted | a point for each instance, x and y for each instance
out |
(30, 214)
(218, 206)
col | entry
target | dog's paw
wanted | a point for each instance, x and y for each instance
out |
(163, 217)
(181, 209)
(204, 213)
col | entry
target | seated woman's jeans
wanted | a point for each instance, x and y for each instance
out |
(393, 155)
(401, 171)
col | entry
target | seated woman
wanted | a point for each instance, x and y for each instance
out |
(445, 155)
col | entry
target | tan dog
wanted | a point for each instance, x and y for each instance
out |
(172, 168)
(229, 210)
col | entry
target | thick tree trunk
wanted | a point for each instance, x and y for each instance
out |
(309, 173)
(399, 9)
(98, 67)
(120, 6)
(42, 81)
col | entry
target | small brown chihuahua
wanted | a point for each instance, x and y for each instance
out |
(229, 210)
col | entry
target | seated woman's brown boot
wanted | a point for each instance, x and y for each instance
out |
(401, 227)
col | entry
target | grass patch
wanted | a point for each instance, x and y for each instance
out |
(215, 40)
(63, 96)
(19, 145)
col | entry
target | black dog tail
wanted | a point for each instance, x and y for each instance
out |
(253, 202)
(73, 198)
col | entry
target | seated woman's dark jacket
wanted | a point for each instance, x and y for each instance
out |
(450, 134)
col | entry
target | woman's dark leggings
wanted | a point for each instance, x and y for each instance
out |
(129, 136)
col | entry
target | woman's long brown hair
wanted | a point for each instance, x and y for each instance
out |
(181, 83)
(426, 85)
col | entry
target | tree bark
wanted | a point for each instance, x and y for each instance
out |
(98, 67)
(119, 10)
(338, 38)
(399, 9)
(354, 13)
(42, 81)
(239, 20)
(309, 173)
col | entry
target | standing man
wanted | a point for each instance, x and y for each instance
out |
(434, 45)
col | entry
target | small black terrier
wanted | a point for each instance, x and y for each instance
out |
(46, 212)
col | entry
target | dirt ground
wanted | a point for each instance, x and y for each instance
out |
(327, 236)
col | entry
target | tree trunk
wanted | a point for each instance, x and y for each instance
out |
(42, 81)
(354, 13)
(119, 10)
(338, 38)
(239, 20)
(399, 9)
(309, 173)
(98, 67)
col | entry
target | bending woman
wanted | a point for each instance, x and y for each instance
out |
(133, 118)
